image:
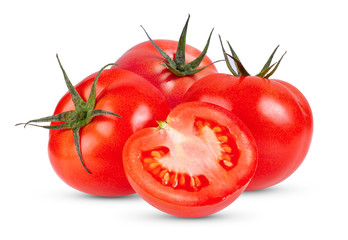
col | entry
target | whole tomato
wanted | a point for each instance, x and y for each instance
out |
(277, 114)
(163, 63)
(92, 122)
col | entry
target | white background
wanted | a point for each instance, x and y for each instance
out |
(36, 204)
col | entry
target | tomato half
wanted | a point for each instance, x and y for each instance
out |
(196, 163)
(277, 114)
(139, 104)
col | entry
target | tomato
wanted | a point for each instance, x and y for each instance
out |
(101, 141)
(277, 114)
(163, 63)
(195, 163)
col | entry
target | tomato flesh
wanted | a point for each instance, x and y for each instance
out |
(196, 165)
(152, 163)
(158, 161)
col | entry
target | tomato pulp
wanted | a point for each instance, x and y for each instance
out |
(195, 163)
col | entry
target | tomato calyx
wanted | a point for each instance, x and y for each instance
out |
(82, 115)
(178, 65)
(237, 68)
(162, 124)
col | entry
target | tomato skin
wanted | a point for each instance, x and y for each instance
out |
(138, 102)
(186, 211)
(277, 114)
(145, 60)
(223, 186)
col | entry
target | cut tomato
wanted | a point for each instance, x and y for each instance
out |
(195, 163)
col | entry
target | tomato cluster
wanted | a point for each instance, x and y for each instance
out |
(187, 139)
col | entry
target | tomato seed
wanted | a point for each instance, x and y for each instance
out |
(156, 171)
(162, 173)
(198, 182)
(227, 149)
(226, 157)
(165, 179)
(182, 180)
(154, 165)
(223, 138)
(199, 124)
(207, 124)
(175, 181)
(156, 154)
(149, 160)
(217, 129)
(193, 183)
(227, 163)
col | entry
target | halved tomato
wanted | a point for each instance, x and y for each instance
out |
(195, 163)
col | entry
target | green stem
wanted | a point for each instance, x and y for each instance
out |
(268, 63)
(275, 68)
(162, 124)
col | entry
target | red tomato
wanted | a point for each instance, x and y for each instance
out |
(145, 60)
(119, 91)
(195, 163)
(276, 113)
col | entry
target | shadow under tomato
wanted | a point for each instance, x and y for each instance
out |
(277, 190)
(84, 196)
(224, 215)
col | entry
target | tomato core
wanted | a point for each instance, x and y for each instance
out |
(217, 141)
(229, 153)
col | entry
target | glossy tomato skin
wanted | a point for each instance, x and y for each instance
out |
(145, 60)
(277, 114)
(187, 155)
(187, 211)
(138, 102)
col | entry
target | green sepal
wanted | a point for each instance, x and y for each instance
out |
(178, 65)
(265, 72)
(75, 97)
(275, 68)
(192, 66)
(92, 96)
(268, 63)
(76, 134)
(168, 59)
(233, 70)
(239, 69)
(71, 119)
(179, 58)
(82, 115)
